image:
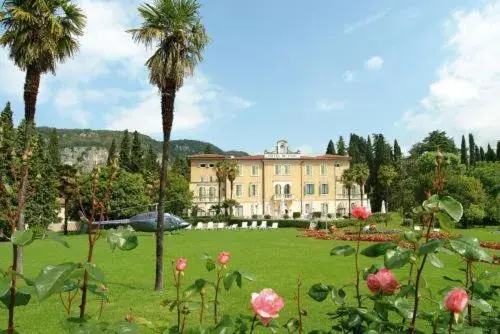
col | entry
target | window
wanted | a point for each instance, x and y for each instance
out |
(201, 178)
(211, 165)
(287, 169)
(323, 170)
(308, 208)
(255, 170)
(203, 165)
(324, 189)
(309, 189)
(211, 193)
(201, 192)
(211, 179)
(239, 189)
(324, 208)
(253, 190)
(238, 211)
(309, 170)
(239, 170)
(337, 164)
(277, 169)
(287, 189)
(277, 189)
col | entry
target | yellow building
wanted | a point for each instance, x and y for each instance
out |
(276, 183)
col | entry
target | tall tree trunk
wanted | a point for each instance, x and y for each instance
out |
(31, 86)
(66, 215)
(167, 114)
(361, 192)
(349, 201)
(231, 209)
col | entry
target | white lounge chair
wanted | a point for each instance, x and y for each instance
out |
(221, 226)
(233, 227)
(263, 225)
(254, 225)
(190, 227)
(417, 228)
(244, 225)
(274, 226)
(210, 226)
(200, 226)
(436, 229)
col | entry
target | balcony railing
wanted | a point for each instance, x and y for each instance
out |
(278, 197)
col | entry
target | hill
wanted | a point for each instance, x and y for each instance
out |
(84, 147)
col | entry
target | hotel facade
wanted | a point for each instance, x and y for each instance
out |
(277, 183)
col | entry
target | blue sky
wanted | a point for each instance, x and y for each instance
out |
(305, 71)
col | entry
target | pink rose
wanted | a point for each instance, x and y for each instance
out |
(384, 281)
(224, 258)
(181, 264)
(266, 305)
(456, 300)
(360, 212)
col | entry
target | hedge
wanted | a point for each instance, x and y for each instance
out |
(282, 223)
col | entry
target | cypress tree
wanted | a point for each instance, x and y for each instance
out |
(498, 150)
(482, 156)
(111, 152)
(477, 154)
(7, 140)
(341, 146)
(330, 149)
(124, 158)
(43, 206)
(463, 151)
(136, 154)
(357, 148)
(397, 151)
(54, 155)
(151, 160)
(490, 154)
(382, 156)
(472, 150)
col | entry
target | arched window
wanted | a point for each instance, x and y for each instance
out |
(277, 189)
(211, 193)
(287, 189)
(201, 192)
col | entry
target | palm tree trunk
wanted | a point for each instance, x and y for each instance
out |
(31, 86)
(167, 114)
(349, 201)
(361, 192)
(231, 209)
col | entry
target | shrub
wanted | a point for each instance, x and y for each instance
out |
(286, 217)
(296, 215)
(267, 216)
(255, 216)
(329, 215)
(316, 214)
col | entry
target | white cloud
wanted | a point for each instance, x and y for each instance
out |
(348, 76)
(325, 104)
(348, 28)
(465, 97)
(197, 102)
(374, 63)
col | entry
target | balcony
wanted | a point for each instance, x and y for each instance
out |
(279, 197)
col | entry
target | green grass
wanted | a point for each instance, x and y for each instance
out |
(276, 258)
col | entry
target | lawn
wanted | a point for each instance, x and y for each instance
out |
(276, 258)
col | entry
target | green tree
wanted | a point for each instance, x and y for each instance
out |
(397, 151)
(341, 150)
(181, 167)
(136, 159)
(463, 152)
(7, 141)
(178, 196)
(111, 152)
(151, 160)
(434, 140)
(124, 156)
(381, 156)
(208, 149)
(357, 149)
(43, 205)
(489, 175)
(53, 150)
(498, 150)
(477, 154)
(330, 149)
(361, 173)
(490, 154)
(482, 155)
(348, 179)
(174, 28)
(386, 176)
(472, 150)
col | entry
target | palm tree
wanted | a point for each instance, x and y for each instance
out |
(348, 179)
(386, 176)
(231, 176)
(174, 29)
(221, 172)
(361, 173)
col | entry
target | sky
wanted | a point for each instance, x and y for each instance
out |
(304, 71)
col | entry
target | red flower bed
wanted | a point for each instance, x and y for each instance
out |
(490, 244)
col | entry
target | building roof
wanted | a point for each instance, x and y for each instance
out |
(261, 157)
